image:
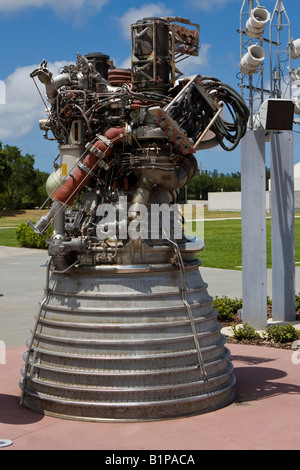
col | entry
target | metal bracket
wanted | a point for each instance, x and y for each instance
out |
(173, 130)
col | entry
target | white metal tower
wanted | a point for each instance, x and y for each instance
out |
(271, 115)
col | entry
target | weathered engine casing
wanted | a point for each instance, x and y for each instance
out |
(116, 344)
(126, 330)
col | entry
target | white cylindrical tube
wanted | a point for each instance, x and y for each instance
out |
(296, 101)
(251, 61)
(53, 182)
(256, 23)
(69, 157)
(295, 51)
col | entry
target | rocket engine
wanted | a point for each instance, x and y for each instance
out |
(126, 329)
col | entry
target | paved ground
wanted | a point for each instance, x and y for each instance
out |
(265, 414)
(22, 280)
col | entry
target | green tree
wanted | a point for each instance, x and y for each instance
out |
(35, 194)
(212, 181)
(268, 177)
(21, 183)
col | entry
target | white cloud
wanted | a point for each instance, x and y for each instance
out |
(194, 64)
(80, 10)
(125, 64)
(24, 107)
(58, 5)
(144, 11)
(14, 5)
(210, 5)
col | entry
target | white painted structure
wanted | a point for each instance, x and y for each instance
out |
(297, 177)
(232, 201)
(229, 201)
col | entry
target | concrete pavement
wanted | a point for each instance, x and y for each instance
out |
(265, 414)
(22, 280)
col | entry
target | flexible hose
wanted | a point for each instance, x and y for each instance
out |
(231, 131)
(192, 113)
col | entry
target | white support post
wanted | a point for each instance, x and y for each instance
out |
(283, 226)
(253, 178)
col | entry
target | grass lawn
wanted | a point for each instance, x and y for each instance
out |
(223, 244)
(8, 237)
(10, 220)
(15, 218)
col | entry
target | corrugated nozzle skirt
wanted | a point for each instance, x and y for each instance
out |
(127, 343)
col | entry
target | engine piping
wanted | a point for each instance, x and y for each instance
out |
(99, 151)
(68, 191)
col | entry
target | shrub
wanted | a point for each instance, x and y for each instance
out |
(244, 332)
(27, 238)
(282, 333)
(226, 308)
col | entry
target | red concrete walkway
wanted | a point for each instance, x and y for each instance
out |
(265, 414)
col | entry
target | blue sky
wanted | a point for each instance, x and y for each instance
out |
(55, 30)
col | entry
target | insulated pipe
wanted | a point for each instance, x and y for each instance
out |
(52, 85)
(103, 148)
(117, 77)
(66, 194)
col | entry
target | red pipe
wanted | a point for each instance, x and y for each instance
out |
(69, 190)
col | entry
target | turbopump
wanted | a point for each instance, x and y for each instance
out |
(127, 142)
